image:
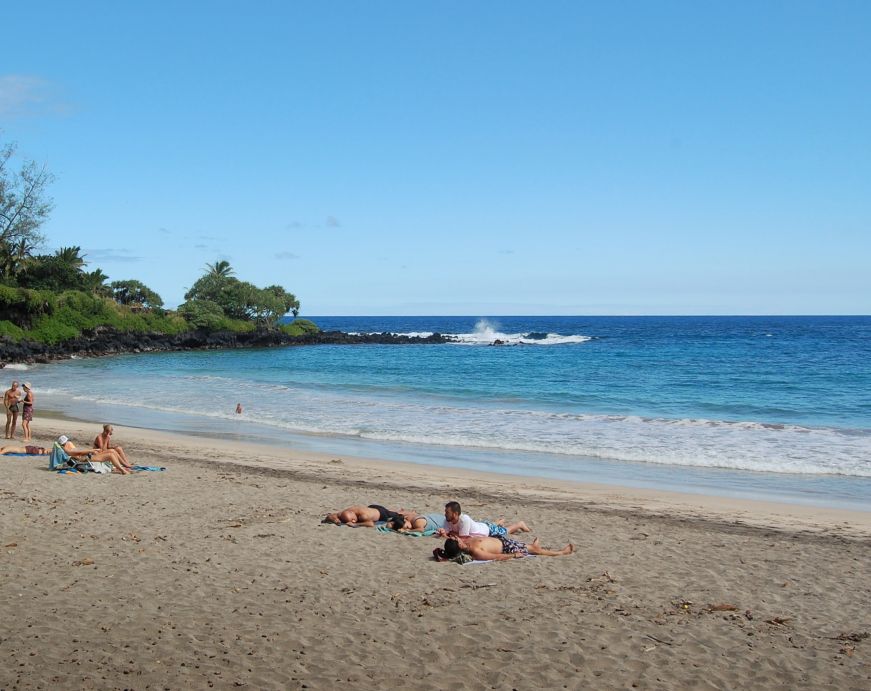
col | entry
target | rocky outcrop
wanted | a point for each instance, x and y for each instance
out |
(110, 342)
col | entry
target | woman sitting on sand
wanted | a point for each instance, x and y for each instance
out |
(497, 549)
(103, 442)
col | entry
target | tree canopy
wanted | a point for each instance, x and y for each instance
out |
(236, 299)
(134, 293)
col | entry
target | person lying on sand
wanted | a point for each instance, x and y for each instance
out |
(459, 524)
(361, 516)
(497, 548)
(103, 442)
(410, 521)
(29, 450)
(94, 455)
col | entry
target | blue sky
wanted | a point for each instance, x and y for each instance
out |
(459, 158)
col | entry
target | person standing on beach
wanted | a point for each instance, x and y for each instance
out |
(103, 442)
(11, 403)
(27, 410)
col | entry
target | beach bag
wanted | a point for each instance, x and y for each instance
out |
(58, 458)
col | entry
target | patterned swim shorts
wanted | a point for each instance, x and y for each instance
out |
(496, 530)
(510, 546)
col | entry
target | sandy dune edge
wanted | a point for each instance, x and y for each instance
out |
(216, 574)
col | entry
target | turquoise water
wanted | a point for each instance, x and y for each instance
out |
(749, 406)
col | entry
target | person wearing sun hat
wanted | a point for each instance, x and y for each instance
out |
(103, 456)
(27, 410)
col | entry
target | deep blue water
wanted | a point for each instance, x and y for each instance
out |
(746, 405)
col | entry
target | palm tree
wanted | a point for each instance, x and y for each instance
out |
(220, 269)
(72, 257)
(95, 281)
(14, 257)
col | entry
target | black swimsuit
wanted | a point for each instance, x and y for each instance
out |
(383, 514)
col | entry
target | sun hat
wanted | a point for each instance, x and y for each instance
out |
(26, 385)
(63, 439)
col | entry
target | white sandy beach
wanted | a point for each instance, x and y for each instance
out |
(218, 574)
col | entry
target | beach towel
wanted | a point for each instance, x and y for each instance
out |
(58, 458)
(382, 528)
(148, 467)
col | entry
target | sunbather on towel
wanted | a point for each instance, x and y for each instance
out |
(103, 441)
(410, 521)
(28, 450)
(361, 516)
(459, 524)
(108, 455)
(499, 548)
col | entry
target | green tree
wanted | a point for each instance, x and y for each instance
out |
(95, 281)
(220, 268)
(24, 202)
(135, 293)
(14, 258)
(72, 257)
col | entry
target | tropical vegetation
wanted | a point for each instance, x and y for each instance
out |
(53, 297)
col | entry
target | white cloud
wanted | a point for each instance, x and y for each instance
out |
(23, 95)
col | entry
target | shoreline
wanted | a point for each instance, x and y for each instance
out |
(767, 513)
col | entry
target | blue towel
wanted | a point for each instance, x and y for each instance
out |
(382, 528)
(147, 467)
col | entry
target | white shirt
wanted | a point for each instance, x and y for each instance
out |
(466, 527)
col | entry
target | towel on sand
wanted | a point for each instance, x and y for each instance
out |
(382, 528)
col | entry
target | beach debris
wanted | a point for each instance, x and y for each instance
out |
(658, 640)
(724, 607)
(476, 586)
(11, 544)
(853, 637)
(647, 650)
(682, 604)
(235, 525)
(133, 537)
(604, 577)
(779, 621)
(87, 561)
(748, 615)
(336, 460)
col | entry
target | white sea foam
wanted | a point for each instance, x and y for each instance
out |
(745, 445)
(17, 366)
(487, 333)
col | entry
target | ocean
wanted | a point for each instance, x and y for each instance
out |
(770, 407)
